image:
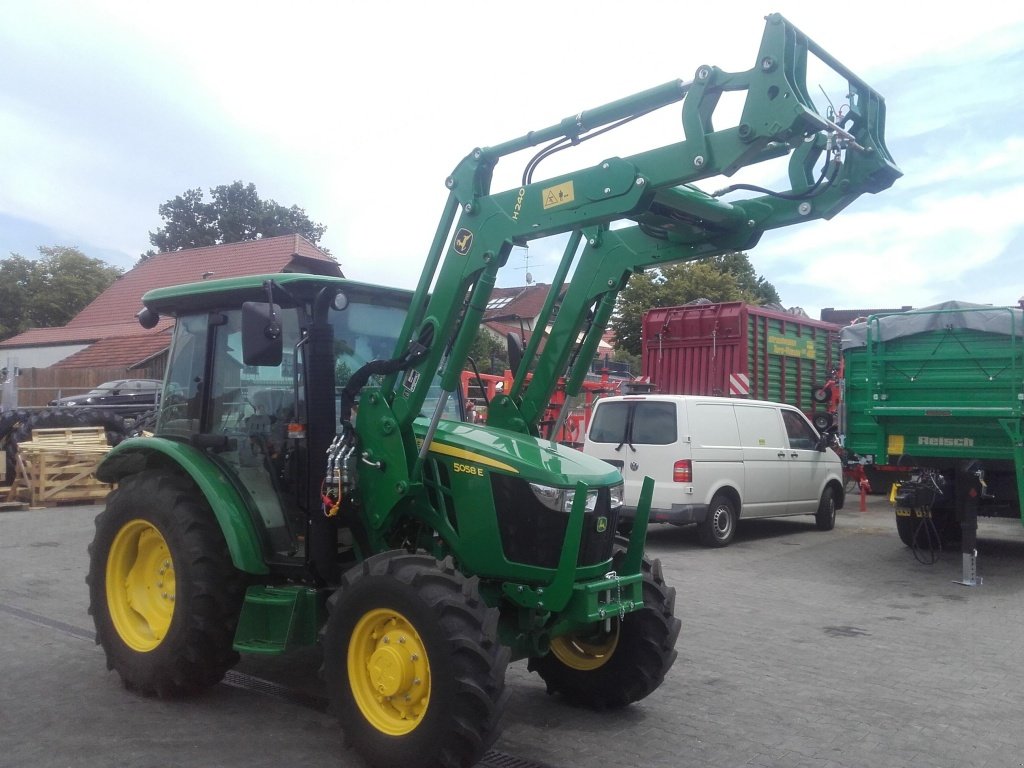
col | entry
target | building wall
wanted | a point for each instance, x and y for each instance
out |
(37, 357)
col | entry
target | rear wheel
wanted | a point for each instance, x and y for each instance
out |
(719, 527)
(413, 664)
(825, 517)
(164, 595)
(610, 668)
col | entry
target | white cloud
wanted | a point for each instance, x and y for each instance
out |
(357, 112)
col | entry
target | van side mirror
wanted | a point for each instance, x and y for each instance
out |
(261, 333)
(825, 440)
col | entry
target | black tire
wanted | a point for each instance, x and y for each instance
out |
(719, 527)
(612, 670)
(446, 654)
(825, 517)
(57, 418)
(822, 394)
(822, 421)
(156, 522)
(943, 532)
(917, 532)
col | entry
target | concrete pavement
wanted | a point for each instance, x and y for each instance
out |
(799, 648)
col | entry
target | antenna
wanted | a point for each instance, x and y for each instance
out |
(526, 263)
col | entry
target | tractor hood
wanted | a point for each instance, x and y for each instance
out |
(534, 459)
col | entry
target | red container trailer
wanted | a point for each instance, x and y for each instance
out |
(741, 350)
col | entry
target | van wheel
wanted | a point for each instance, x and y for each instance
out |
(825, 517)
(718, 528)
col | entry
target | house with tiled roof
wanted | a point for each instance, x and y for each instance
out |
(106, 334)
(517, 310)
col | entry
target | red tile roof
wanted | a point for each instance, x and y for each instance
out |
(120, 351)
(525, 301)
(122, 300)
(112, 313)
(39, 337)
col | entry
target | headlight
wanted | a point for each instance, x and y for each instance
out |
(616, 495)
(561, 499)
(551, 498)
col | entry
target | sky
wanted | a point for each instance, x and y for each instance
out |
(357, 112)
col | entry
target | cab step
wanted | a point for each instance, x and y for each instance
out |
(275, 619)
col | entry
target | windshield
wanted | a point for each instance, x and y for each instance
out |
(364, 332)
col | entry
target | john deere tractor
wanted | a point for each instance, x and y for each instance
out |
(310, 481)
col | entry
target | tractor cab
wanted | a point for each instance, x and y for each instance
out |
(239, 376)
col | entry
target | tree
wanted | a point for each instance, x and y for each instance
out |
(729, 277)
(490, 355)
(47, 292)
(235, 213)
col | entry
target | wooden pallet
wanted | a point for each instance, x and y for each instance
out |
(60, 465)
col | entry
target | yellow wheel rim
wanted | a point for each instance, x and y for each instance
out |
(140, 585)
(389, 672)
(586, 653)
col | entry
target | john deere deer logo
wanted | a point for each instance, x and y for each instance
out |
(463, 241)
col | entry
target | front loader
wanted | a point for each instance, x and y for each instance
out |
(309, 479)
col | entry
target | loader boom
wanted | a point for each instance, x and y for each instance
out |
(671, 221)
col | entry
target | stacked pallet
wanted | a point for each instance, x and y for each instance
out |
(60, 465)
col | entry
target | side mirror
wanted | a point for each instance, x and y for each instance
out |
(515, 351)
(261, 333)
(826, 440)
(147, 318)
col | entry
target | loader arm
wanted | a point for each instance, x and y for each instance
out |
(672, 221)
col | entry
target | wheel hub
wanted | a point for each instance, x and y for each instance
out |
(586, 652)
(141, 585)
(388, 672)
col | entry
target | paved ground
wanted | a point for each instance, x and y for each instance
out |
(799, 648)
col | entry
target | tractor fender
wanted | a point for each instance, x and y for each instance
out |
(230, 509)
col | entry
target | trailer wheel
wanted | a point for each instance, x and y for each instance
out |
(719, 527)
(163, 593)
(413, 664)
(608, 669)
(825, 517)
(944, 531)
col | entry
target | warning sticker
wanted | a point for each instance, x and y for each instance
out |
(560, 194)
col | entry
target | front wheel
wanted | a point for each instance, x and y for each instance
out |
(163, 593)
(719, 527)
(825, 517)
(608, 668)
(413, 664)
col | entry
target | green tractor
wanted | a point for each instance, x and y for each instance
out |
(310, 479)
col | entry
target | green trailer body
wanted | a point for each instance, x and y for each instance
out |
(937, 387)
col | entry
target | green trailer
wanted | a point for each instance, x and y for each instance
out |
(941, 390)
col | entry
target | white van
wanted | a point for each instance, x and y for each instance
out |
(716, 459)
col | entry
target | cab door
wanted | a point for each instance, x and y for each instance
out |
(808, 467)
(765, 460)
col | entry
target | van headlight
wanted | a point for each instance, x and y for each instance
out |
(561, 499)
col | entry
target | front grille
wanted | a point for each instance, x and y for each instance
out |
(532, 534)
